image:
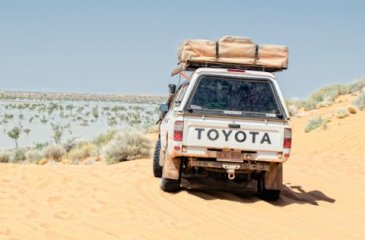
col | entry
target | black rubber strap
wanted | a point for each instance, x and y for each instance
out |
(256, 52)
(216, 49)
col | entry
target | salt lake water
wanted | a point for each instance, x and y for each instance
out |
(78, 119)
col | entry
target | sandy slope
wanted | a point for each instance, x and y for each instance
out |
(323, 197)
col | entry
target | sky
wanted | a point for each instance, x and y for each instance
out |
(129, 47)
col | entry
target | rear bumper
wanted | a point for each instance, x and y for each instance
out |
(223, 165)
(258, 156)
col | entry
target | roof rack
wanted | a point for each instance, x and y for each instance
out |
(192, 66)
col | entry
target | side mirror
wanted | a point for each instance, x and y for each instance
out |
(172, 88)
(164, 107)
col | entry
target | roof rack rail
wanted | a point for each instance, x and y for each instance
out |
(192, 66)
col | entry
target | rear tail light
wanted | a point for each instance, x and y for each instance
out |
(287, 138)
(178, 131)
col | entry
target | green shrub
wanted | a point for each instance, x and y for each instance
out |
(325, 96)
(342, 113)
(104, 138)
(325, 103)
(309, 104)
(33, 155)
(40, 146)
(18, 155)
(360, 101)
(126, 145)
(315, 123)
(356, 86)
(54, 152)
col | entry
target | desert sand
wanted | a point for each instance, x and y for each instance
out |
(323, 196)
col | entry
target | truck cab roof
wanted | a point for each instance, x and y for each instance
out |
(235, 72)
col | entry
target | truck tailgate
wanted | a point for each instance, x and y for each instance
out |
(238, 134)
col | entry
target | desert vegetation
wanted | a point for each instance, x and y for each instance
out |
(36, 96)
(112, 147)
(326, 97)
(125, 145)
(342, 113)
(360, 101)
(39, 129)
(316, 122)
(352, 109)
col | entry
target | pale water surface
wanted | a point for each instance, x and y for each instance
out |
(80, 119)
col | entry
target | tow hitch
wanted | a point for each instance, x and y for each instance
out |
(231, 170)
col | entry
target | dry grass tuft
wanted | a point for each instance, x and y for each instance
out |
(54, 152)
(342, 113)
(81, 152)
(43, 161)
(352, 109)
(315, 123)
(126, 145)
(4, 157)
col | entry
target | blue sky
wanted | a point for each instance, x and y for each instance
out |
(129, 47)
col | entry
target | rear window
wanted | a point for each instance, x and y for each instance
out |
(234, 96)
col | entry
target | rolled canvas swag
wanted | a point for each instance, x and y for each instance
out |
(234, 50)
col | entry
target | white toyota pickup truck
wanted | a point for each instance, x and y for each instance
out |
(224, 123)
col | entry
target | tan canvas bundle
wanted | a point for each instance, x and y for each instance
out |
(273, 56)
(235, 51)
(197, 50)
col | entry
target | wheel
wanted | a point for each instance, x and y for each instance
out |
(157, 169)
(266, 194)
(170, 185)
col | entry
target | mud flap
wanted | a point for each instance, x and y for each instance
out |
(162, 157)
(274, 177)
(171, 168)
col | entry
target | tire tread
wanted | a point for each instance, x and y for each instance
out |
(157, 169)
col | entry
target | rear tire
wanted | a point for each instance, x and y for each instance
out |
(170, 185)
(157, 169)
(266, 194)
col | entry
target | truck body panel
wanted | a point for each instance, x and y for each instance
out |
(205, 135)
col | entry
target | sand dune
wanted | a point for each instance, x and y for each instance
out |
(322, 198)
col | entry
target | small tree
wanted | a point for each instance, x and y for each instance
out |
(58, 131)
(95, 112)
(15, 134)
